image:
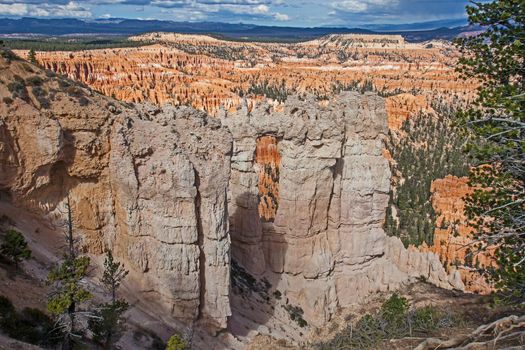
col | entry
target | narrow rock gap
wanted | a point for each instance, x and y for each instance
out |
(200, 242)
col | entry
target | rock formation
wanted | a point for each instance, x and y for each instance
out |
(453, 235)
(208, 73)
(300, 188)
(325, 248)
(140, 182)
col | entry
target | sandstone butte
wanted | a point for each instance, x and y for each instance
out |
(293, 193)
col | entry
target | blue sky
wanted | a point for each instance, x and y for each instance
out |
(349, 13)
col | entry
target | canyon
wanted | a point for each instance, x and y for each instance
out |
(244, 185)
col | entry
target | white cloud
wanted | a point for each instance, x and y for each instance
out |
(357, 6)
(261, 9)
(14, 9)
(281, 17)
(69, 9)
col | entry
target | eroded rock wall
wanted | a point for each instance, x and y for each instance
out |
(326, 248)
(148, 183)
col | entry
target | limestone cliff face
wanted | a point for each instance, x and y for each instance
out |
(325, 248)
(142, 182)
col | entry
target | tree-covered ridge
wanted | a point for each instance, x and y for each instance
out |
(427, 148)
(71, 44)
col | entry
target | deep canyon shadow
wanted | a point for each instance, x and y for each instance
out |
(254, 295)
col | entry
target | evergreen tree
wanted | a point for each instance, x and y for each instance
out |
(68, 292)
(31, 56)
(15, 248)
(496, 58)
(107, 322)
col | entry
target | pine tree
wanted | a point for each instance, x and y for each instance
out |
(31, 56)
(497, 120)
(107, 322)
(68, 292)
(15, 248)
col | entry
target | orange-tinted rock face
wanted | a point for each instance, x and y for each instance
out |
(268, 161)
(400, 107)
(208, 73)
(453, 236)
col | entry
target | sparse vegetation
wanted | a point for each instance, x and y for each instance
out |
(394, 320)
(296, 314)
(274, 92)
(176, 343)
(31, 56)
(69, 291)
(245, 284)
(30, 325)
(107, 322)
(431, 149)
(14, 247)
(8, 55)
(17, 88)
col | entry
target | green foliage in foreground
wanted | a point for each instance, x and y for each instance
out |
(108, 323)
(67, 278)
(432, 149)
(15, 248)
(29, 325)
(497, 120)
(176, 343)
(394, 320)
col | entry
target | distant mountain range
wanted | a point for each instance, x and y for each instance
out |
(54, 27)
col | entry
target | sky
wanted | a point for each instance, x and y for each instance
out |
(301, 13)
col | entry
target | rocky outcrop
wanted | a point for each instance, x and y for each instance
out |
(141, 182)
(325, 249)
(401, 107)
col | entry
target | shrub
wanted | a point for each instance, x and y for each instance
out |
(74, 91)
(176, 343)
(8, 55)
(31, 325)
(14, 247)
(83, 101)
(7, 100)
(41, 96)
(393, 320)
(34, 81)
(296, 314)
(18, 89)
(394, 307)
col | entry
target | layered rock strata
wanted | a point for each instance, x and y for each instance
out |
(300, 188)
(325, 248)
(208, 73)
(149, 183)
